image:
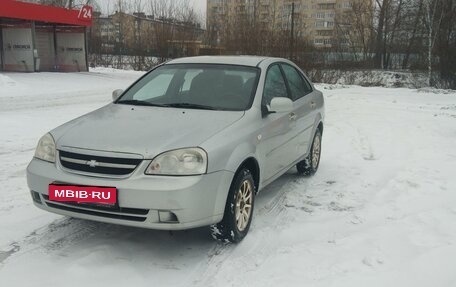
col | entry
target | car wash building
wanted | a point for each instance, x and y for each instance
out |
(36, 38)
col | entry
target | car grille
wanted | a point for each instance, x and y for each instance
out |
(114, 212)
(98, 164)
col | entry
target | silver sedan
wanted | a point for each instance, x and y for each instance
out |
(189, 144)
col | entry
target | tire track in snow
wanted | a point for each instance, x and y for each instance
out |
(66, 233)
(270, 215)
(51, 238)
(208, 268)
(5, 254)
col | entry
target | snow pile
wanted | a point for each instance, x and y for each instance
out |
(379, 212)
(124, 62)
(108, 70)
(370, 78)
(436, 91)
(332, 86)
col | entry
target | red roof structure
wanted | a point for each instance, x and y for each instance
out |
(36, 12)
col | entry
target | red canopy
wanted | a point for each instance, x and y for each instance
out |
(36, 12)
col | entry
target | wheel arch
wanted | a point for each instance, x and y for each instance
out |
(252, 165)
(320, 127)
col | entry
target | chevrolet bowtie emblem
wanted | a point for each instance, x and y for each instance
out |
(92, 163)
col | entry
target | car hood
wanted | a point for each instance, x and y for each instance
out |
(142, 130)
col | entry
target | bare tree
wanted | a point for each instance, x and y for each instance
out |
(446, 44)
(432, 20)
(354, 29)
(412, 24)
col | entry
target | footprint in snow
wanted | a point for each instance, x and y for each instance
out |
(372, 262)
(336, 207)
(412, 184)
(356, 220)
(303, 208)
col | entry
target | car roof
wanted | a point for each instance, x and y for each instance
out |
(252, 61)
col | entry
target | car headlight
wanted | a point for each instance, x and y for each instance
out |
(187, 161)
(46, 148)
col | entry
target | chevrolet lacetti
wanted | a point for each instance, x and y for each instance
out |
(189, 144)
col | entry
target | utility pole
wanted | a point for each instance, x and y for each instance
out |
(70, 4)
(292, 31)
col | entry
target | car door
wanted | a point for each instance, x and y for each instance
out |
(304, 104)
(275, 136)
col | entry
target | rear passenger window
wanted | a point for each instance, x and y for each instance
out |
(299, 87)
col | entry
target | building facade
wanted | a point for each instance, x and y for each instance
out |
(38, 38)
(323, 23)
(143, 35)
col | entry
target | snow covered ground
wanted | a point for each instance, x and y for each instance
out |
(381, 211)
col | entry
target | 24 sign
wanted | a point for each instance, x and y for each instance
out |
(85, 13)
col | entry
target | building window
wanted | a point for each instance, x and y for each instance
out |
(320, 15)
(326, 6)
(324, 33)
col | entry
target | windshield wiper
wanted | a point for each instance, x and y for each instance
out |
(191, 106)
(140, 103)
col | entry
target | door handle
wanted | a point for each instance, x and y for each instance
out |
(292, 116)
(313, 105)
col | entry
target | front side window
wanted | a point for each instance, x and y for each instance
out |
(198, 86)
(274, 85)
(298, 86)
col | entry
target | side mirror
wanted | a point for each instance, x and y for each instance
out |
(280, 105)
(116, 94)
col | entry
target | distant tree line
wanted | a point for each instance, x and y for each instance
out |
(383, 34)
(426, 28)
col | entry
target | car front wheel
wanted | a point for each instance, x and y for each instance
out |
(238, 210)
(309, 165)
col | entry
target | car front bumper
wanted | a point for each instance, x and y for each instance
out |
(143, 200)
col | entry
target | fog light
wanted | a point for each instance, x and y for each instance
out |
(167, 217)
(36, 197)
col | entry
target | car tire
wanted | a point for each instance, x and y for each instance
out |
(309, 165)
(238, 209)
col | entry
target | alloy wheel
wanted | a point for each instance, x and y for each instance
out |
(316, 152)
(243, 209)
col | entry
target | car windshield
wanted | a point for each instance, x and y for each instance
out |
(195, 86)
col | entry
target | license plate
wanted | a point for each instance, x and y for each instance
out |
(83, 194)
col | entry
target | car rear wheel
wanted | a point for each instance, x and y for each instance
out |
(309, 165)
(238, 210)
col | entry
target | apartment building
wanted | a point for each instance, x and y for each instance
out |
(141, 34)
(324, 23)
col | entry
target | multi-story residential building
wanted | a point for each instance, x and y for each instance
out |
(141, 34)
(324, 23)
